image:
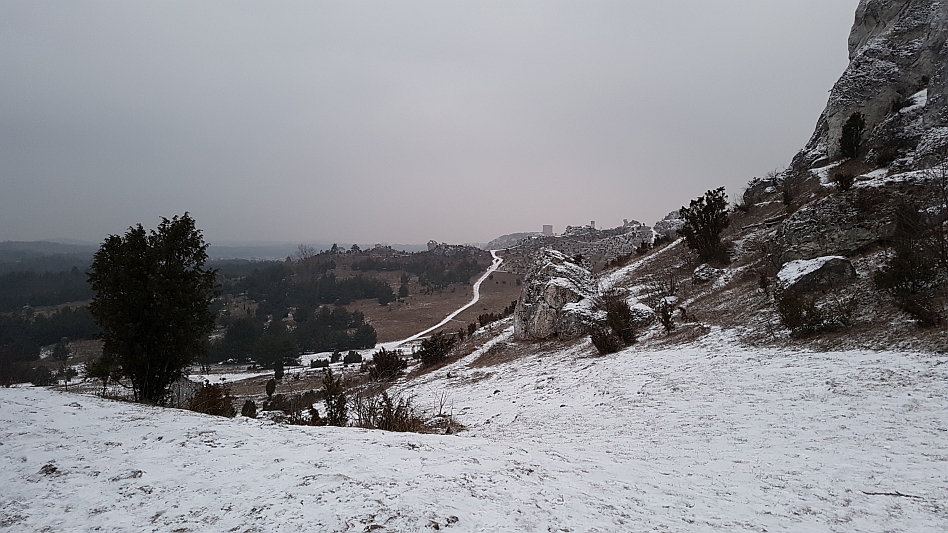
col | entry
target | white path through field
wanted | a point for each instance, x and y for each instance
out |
(477, 296)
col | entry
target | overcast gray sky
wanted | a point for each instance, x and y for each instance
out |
(395, 121)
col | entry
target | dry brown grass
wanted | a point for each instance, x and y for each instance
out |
(418, 311)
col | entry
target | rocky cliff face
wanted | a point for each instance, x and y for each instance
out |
(896, 79)
(550, 303)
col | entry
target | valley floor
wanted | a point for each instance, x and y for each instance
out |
(713, 437)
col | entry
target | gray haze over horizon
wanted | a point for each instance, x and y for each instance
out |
(397, 121)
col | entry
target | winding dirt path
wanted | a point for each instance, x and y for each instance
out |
(477, 296)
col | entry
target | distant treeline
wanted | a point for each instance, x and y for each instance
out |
(22, 335)
(431, 270)
(282, 286)
(325, 329)
(19, 289)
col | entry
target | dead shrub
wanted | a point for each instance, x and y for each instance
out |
(298, 408)
(661, 297)
(380, 411)
(213, 399)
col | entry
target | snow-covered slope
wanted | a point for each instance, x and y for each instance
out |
(708, 438)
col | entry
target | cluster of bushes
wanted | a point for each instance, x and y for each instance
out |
(371, 411)
(213, 399)
(350, 358)
(801, 314)
(617, 330)
(299, 409)
(382, 412)
(485, 319)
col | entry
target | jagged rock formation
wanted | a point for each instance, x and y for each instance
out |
(597, 246)
(552, 297)
(896, 80)
(669, 225)
(819, 274)
(705, 273)
(451, 250)
(510, 240)
(837, 224)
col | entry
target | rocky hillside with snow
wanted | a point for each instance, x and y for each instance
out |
(793, 385)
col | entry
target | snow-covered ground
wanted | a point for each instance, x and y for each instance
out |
(714, 437)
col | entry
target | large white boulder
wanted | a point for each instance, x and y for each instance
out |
(556, 298)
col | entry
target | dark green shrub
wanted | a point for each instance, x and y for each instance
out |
(386, 365)
(435, 349)
(605, 340)
(799, 313)
(844, 181)
(617, 331)
(851, 137)
(915, 274)
(334, 397)
(665, 312)
(352, 357)
(249, 409)
(704, 221)
(271, 387)
(901, 102)
(319, 363)
(802, 316)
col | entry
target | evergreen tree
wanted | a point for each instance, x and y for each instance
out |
(705, 218)
(851, 135)
(335, 399)
(152, 299)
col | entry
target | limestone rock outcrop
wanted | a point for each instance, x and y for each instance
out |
(705, 273)
(840, 225)
(669, 226)
(818, 274)
(555, 300)
(896, 79)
